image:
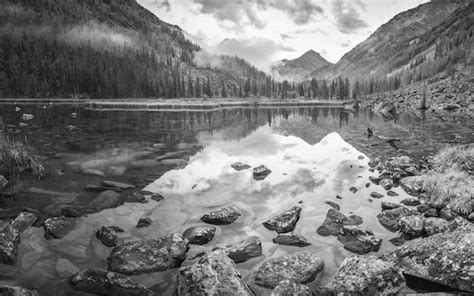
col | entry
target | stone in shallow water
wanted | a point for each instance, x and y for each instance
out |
(389, 205)
(107, 235)
(374, 180)
(244, 250)
(106, 200)
(261, 172)
(412, 185)
(214, 274)
(359, 240)
(333, 222)
(353, 189)
(291, 240)
(284, 222)
(100, 281)
(434, 225)
(423, 208)
(445, 258)
(222, 216)
(333, 205)
(290, 288)
(367, 276)
(23, 221)
(199, 235)
(376, 195)
(148, 255)
(238, 166)
(9, 240)
(410, 202)
(120, 185)
(16, 291)
(65, 268)
(387, 184)
(391, 193)
(389, 218)
(301, 267)
(58, 227)
(144, 222)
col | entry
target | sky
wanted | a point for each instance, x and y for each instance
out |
(265, 31)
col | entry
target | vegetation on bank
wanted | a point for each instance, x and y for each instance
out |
(449, 183)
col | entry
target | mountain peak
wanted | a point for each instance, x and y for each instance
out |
(298, 68)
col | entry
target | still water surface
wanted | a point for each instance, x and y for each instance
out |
(313, 154)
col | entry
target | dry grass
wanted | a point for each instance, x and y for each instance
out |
(451, 182)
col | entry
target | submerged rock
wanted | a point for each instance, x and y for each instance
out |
(100, 281)
(290, 288)
(359, 240)
(222, 216)
(58, 227)
(107, 235)
(301, 267)
(261, 172)
(444, 258)
(244, 250)
(123, 186)
(16, 291)
(144, 222)
(291, 240)
(65, 268)
(367, 276)
(214, 274)
(199, 235)
(238, 166)
(284, 222)
(148, 255)
(334, 221)
(390, 218)
(106, 200)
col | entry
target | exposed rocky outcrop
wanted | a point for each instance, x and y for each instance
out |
(148, 255)
(214, 274)
(199, 235)
(284, 222)
(222, 216)
(301, 267)
(367, 276)
(445, 258)
(100, 281)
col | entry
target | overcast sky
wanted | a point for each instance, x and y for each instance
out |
(263, 31)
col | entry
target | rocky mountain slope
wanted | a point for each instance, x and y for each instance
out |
(395, 44)
(109, 48)
(298, 68)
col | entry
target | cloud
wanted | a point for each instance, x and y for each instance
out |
(258, 51)
(162, 4)
(345, 44)
(347, 18)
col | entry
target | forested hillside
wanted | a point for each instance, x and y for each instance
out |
(107, 48)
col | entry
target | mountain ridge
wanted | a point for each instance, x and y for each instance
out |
(296, 69)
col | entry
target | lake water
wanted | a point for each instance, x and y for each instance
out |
(313, 154)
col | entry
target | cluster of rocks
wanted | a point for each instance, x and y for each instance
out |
(284, 223)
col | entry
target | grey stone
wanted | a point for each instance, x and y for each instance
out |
(359, 240)
(284, 222)
(222, 216)
(290, 288)
(58, 227)
(200, 235)
(107, 235)
(291, 240)
(244, 250)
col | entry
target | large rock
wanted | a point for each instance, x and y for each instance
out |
(412, 185)
(106, 200)
(387, 184)
(445, 258)
(3, 182)
(214, 274)
(16, 291)
(107, 235)
(359, 240)
(290, 288)
(58, 227)
(23, 221)
(261, 172)
(222, 216)
(301, 267)
(238, 166)
(389, 205)
(291, 240)
(100, 281)
(244, 250)
(390, 218)
(199, 235)
(284, 222)
(412, 226)
(334, 221)
(10, 237)
(410, 201)
(367, 276)
(148, 255)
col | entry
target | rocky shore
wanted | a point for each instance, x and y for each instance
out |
(435, 236)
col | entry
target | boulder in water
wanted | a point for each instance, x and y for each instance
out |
(290, 288)
(390, 218)
(334, 221)
(244, 250)
(199, 235)
(214, 274)
(284, 222)
(359, 240)
(291, 240)
(261, 172)
(222, 216)
(58, 227)
(238, 166)
(107, 235)
(301, 267)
